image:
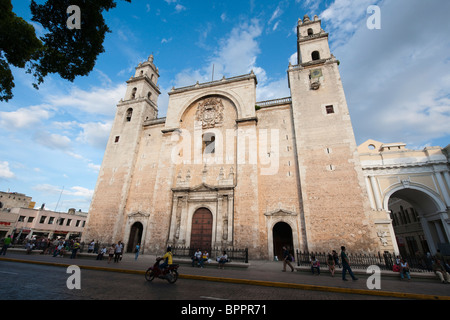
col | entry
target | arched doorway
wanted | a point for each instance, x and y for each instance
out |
(135, 236)
(417, 220)
(282, 236)
(201, 232)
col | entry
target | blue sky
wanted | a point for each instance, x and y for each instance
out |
(396, 79)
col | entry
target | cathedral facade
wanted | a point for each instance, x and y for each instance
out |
(223, 170)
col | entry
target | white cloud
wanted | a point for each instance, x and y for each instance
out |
(5, 171)
(179, 8)
(95, 134)
(397, 79)
(94, 101)
(24, 117)
(52, 140)
(277, 13)
(236, 55)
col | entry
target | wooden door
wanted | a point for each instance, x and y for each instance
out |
(201, 232)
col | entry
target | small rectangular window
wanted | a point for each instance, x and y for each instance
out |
(116, 139)
(329, 109)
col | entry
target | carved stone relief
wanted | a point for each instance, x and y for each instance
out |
(210, 112)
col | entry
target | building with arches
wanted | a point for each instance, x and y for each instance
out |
(223, 170)
(412, 187)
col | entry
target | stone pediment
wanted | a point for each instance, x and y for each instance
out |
(203, 187)
(280, 212)
(138, 214)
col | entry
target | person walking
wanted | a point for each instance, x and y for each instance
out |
(346, 265)
(117, 252)
(287, 259)
(6, 244)
(111, 252)
(137, 248)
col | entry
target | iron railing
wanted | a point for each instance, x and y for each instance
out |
(233, 254)
(385, 261)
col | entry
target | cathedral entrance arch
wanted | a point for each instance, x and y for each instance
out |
(201, 232)
(282, 236)
(135, 236)
(419, 219)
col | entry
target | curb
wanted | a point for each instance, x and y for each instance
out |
(379, 293)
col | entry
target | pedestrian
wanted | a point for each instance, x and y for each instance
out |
(121, 250)
(315, 264)
(222, 260)
(58, 248)
(346, 265)
(6, 244)
(204, 258)
(439, 270)
(111, 252)
(137, 248)
(444, 262)
(29, 246)
(117, 252)
(404, 269)
(101, 253)
(287, 259)
(331, 264)
(91, 247)
(75, 247)
(336, 258)
(196, 258)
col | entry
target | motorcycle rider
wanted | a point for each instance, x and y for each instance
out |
(167, 258)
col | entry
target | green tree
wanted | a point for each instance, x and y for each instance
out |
(67, 52)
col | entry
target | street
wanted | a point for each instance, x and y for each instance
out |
(21, 281)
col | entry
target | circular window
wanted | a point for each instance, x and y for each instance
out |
(371, 147)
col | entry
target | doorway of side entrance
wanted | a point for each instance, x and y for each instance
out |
(135, 236)
(282, 236)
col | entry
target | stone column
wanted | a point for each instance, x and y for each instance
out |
(376, 192)
(370, 193)
(443, 188)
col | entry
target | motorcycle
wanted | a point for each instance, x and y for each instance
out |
(169, 273)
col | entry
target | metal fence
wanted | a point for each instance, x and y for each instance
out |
(384, 260)
(233, 254)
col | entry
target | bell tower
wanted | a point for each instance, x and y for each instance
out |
(336, 209)
(107, 210)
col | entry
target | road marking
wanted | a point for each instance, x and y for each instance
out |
(211, 298)
(8, 272)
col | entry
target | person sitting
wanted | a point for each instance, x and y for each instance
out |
(197, 257)
(404, 269)
(331, 264)
(315, 265)
(439, 270)
(204, 258)
(222, 260)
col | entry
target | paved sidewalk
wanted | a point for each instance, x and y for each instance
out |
(265, 273)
